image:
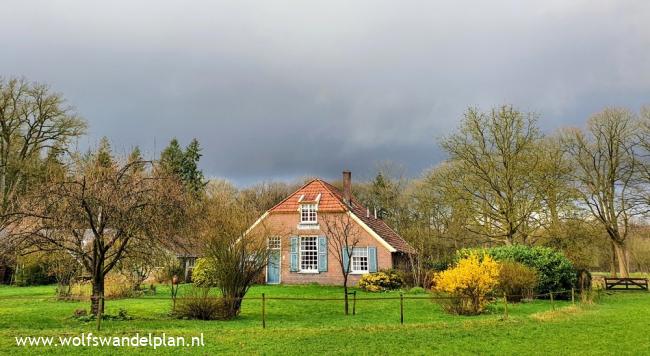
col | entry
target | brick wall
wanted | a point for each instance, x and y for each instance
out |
(285, 226)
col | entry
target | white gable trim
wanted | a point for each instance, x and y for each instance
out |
(256, 222)
(372, 232)
(354, 217)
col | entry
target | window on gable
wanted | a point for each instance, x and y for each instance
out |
(359, 260)
(309, 254)
(308, 214)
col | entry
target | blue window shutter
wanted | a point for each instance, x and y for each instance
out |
(372, 259)
(346, 258)
(293, 252)
(322, 254)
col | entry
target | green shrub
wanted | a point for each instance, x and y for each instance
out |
(517, 281)
(199, 305)
(555, 271)
(381, 281)
(32, 272)
(203, 274)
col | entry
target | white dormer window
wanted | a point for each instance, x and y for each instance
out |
(308, 213)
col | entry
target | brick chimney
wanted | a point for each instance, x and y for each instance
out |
(347, 187)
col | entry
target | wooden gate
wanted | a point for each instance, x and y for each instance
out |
(626, 283)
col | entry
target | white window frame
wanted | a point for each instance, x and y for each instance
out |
(302, 251)
(274, 243)
(358, 254)
(311, 208)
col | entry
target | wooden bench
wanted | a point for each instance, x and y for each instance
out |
(626, 283)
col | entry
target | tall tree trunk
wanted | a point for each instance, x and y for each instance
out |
(621, 255)
(345, 290)
(612, 261)
(98, 292)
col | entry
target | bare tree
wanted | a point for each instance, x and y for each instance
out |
(605, 166)
(342, 237)
(498, 152)
(238, 255)
(33, 122)
(98, 212)
(263, 196)
(559, 195)
(644, 154)
(439, 220)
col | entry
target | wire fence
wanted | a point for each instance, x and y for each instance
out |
(569, 294)
(401, 296)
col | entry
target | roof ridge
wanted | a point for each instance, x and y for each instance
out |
(339, 194)
(332, 189)
(292, 194)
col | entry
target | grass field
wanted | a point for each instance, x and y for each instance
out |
(618, 323)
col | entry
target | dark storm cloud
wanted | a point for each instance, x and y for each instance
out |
(282, 89)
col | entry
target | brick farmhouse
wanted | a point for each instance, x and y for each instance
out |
(303, 252)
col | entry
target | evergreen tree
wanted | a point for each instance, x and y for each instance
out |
(53, 165)
(184, 164)
(104, 155)
(171, 158)
(136, 157)
(384, 195)
(192, 175)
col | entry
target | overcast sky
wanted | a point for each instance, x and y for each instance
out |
(285, 89)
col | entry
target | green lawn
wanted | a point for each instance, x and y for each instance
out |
(617, 324)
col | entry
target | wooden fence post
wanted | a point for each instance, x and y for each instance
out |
(573, 296)
(401, 308)
(174, 291)
(552, 304)
(263, 311)
(505, 306)
(354, 303)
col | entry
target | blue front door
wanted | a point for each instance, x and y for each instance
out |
(273, 269)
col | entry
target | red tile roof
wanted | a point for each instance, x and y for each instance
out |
(331, 200)
(328, 201)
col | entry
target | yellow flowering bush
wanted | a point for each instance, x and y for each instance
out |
(468, 283)
(380, 281)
